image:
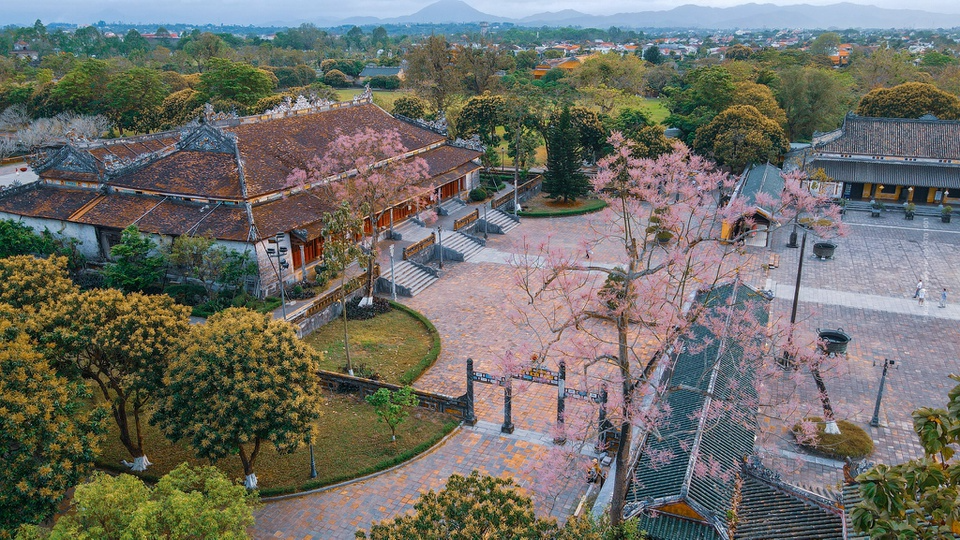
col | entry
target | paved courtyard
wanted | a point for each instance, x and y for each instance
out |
(867, 290)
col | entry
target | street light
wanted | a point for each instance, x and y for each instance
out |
(440, 243)
(485, 220)
(280, 254)
(875, 421)
(313, 464)
(393, 277)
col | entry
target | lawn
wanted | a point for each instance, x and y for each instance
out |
(655, 108)
(543, 206)
(350, 443)
(383, 98)
(389, 344)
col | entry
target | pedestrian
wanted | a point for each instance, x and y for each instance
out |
(921, 294)
(943, 298)
(916, 293)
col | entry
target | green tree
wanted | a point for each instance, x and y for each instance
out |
(335, 78)
(236, 81)
(738, 51)
(220, 270)
(480, 116)
(910, 100)
(180, 107)
(825, 44)
(653, 55)
(624, 73)
(761, 97)
(83, 89)
(917, 499)
(814, 99)
(480, 506)
(592, 133)
(133, 93)
(341, 228)
(741, 135)
(703, 94)
(137, 263)
(392, 407)
(122, 344)
(238, 382)
(202, 47)
(186, 504)
(49, 439)
(478, 67)
(432, 71)
(563, 178)
(410, 106)
(134, 43)
(649, 139)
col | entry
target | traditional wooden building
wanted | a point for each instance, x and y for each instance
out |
(757, 223)
(892, 159)
(225, 179)
(696, 470)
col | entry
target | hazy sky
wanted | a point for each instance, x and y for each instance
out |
(288, 11)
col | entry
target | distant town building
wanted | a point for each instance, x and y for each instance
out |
(21, 49)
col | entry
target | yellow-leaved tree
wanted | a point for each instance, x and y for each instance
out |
(47, 440)
(122, 343)
(237, 382)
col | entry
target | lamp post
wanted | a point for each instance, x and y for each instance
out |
(516, 183)
(393, 277)
(313, 464)
(280, 254)
(875, 421)
(440, 244)
(503, 159)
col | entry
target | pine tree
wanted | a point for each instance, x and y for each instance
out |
(564, 154)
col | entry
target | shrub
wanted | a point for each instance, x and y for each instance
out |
(188, 294)
(357, 313)
(852, 442)
(478, 194)
(361, 370)
(336, 79)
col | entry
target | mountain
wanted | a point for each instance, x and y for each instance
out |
(840, 15)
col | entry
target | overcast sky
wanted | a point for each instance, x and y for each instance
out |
(289, 11)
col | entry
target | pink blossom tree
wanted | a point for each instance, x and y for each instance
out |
(625, 321)
(378, 175)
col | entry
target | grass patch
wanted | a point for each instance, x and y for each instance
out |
(543, 206)
(852, 442)
(394, 344)
(350, 443)
(655, 108)
(383, 98)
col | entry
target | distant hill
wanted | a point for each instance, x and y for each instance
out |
(841, 15)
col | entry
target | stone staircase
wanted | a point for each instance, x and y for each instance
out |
(409, 231)
(410, 278)
(451, 206)
(500, 222)
(464, 246)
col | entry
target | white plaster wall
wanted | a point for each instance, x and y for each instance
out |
(86, 234)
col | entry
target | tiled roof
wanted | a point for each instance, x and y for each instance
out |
(293, 212)
(770, 511)
(702, 376)
(760, 179)
(889, 173)
(664, 527)
(197, 174)
(42, 201)
(168, 216)
(376, 71)
(851, 497)
(272, 149)
(446, 163)
(900, 137)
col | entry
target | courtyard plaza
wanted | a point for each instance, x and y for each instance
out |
(867, 289)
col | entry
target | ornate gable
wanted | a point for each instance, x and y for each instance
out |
(68, 158)
(207, 138)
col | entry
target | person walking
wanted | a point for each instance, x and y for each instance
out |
(943, 297)
(921, 294)
(916, 294)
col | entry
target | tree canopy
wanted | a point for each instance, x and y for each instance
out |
(742, 135)
(137, 264)
(563, 177)
(48, 438)
(238, 382)
(186, 504)
(910, 100)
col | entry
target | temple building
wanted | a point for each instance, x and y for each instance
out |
(226, 179)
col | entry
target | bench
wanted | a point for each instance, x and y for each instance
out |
(774, 261)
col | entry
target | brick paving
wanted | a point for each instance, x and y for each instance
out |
(867, 289)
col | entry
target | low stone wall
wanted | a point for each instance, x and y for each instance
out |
(341, 382)
(327, 307)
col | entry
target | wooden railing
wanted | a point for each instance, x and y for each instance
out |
(328, 298)
(532, 183)
(502, 200)
(413, 249)
(466, 220)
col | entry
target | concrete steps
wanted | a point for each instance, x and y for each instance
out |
(465, 246)
(411, 232)
(410, 279)
(500, 222)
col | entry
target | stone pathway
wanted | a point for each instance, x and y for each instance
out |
(867, 289)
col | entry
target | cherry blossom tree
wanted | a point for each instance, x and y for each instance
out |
(625, 321)
(379, 176)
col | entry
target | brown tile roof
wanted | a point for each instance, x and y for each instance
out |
(132, 147)
(198, 174)
(446, 158)
(45, 201)
(70, 176)
(271, 149)
(293, 212)
(167, 216)
(900, 137)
